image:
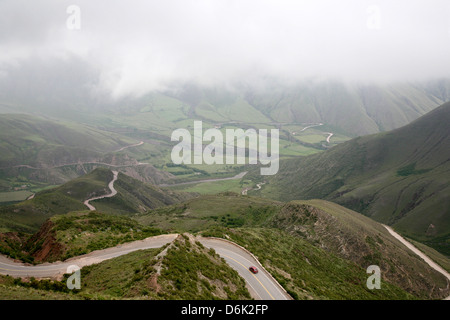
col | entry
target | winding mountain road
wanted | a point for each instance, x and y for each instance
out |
(262, 286)
(53, 270)
(112, 194)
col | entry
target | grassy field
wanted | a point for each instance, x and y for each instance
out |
(228, 209)
(15, 289)
(214, 187)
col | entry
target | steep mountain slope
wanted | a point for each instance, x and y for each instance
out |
(359, 239)
(37, 151)
(353, 109)
(399, 177)
(39, 142)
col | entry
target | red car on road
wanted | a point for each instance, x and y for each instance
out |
(253, 269)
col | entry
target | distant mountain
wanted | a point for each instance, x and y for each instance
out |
(401, 178)
(50, 151)
(350, 109)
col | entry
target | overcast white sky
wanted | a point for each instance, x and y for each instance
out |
(137, 46)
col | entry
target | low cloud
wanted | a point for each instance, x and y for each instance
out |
(138, 46)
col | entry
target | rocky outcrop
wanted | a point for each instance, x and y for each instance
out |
(43, 245)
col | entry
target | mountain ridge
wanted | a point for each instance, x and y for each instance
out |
(398, 177)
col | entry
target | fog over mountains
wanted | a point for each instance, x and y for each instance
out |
(120, 49)
(68, 90)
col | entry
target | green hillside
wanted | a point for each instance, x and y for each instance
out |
(319, 250)
(38, 152)
(183, 270)
(341, 242)
(73, 234)
(55, 147)
(208, 211)
(351, 109)
(134, 196)
(400, 178)
(38, 142)
(354, 109)
(29, 215)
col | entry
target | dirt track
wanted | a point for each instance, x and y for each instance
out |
(411, 247)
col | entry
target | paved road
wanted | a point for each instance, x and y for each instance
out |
(261, 285)
(17, 269)
(112, 194)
